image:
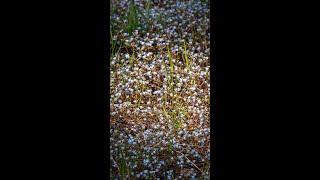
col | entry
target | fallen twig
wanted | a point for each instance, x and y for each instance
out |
(190, 161)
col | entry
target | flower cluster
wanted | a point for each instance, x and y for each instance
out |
(159, 90)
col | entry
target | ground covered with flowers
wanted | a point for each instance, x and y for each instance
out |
(160, 89)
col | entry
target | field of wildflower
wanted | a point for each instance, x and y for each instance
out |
(160, 89)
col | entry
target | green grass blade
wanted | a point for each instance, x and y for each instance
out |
(170, 60)
(171, 68)
(186, 56)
